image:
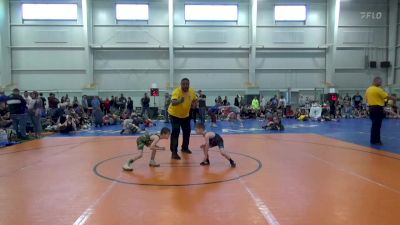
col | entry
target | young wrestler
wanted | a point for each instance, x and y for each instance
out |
(148, 140)
(212, 140)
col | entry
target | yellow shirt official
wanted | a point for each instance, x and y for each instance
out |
(182, 110)
(376, 96)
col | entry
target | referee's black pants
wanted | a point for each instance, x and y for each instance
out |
(376, 115)
(177, 124)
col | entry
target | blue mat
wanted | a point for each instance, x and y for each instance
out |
(350, 130)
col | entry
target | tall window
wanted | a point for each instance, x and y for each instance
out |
(211, 12)
(49, 11)
(290, 13)
(132, 11)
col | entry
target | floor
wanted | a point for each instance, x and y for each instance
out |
(309, 174)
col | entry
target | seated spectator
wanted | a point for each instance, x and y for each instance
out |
(315, 112)
(58, 112)
(274, 124)
(66, 124)
(5, 120)
(303, 115)
(289, 112)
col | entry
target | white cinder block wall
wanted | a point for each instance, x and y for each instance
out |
(128, 57)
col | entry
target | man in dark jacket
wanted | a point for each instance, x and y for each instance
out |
(17, 107)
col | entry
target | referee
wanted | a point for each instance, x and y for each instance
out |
(182, 99)
(376, 98)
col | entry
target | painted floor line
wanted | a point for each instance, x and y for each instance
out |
(354, 174)
(83, 218)
(262, 207)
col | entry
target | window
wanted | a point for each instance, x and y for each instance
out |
(290, 13)
(211, 12)
(132, 11)
(49, 11)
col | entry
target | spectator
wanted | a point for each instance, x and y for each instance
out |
(3, 97)
(66, 124)
(225, 102)
(5, 120)
(75, 101)
(129, 105)
(85, 104)
(347, 99)
(17, 106)
(122, 103)
(255, 104)
(43, 101)
(27, 98)
(203, 107)
(167, 102)
(237, 103)
(145, 101)
(107, 106)
(263, 104)
(357, 98)
(95, 103)
(53, 101)
(58, 113)
(35, 108)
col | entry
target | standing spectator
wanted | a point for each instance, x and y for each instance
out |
(167, 102)
(3, 97)
(263, 104)
(53, 101)
(43, 101)
(194, 110)
(122, 103)
(357, 98)
(376, 97)
(181, 101)
(302, 102)
(347, 99)
(27, 98)
(241, 102)
(17, 106)
(145, 101)
(95, 103)
(282, 105)
(85, 104)
(129, 105)
(237, 104)
(203, 107)
(75, 101)
(219, 100)
(112, 108)
(274, 103)
(255, 104)
(107, 105)
(225, 102)
(35, 108)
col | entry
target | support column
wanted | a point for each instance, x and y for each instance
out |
(253, 43)
(87, 20)
(333, 11)
(5, 50)
(392, 50)
(171, 43)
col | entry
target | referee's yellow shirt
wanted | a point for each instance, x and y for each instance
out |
(376, 96)
(182, 110)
